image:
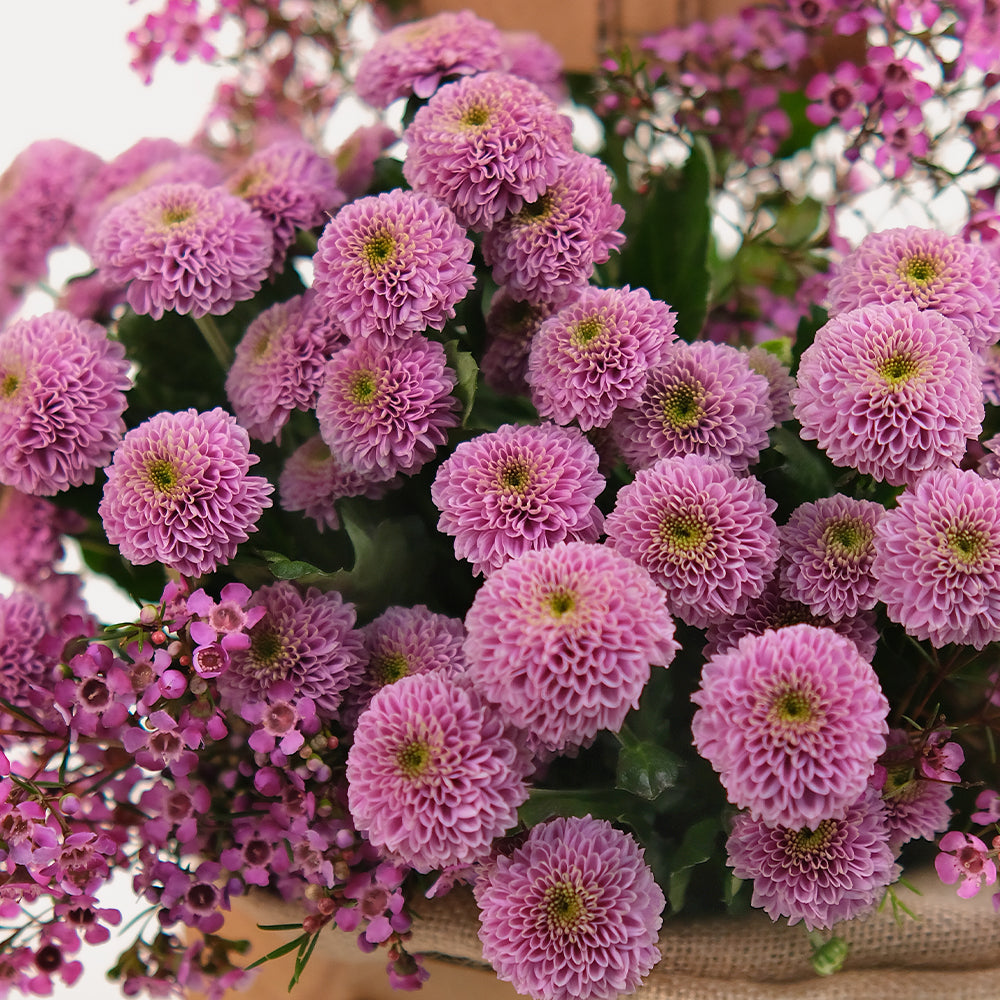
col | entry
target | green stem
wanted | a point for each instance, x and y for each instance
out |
(213, 337)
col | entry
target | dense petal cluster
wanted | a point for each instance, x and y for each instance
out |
(27, 659)
(179, 491)
(574, 912)
(779, 381)
(31, 530)
(703, 534)
(62, 396)
(485, 145)
(518, 488)
(890, 391)
(793, 721)
(184, 247)
(433, 776)
(562, 640)
(392, 265)
(937, 559)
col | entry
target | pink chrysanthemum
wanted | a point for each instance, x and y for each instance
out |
(531, 57)
(356, 156)
(415, 58)
(432, 775)
(702, 399)
(179, 491)
(573, 913)
(552, 244)
(828, 548)
(31, 532)
(278, 366)
(393, 265)
(516, 489)
(937, 559)
(387, 410)
(958, 279)
(62, 396)
(793, 721)
(562, 640)
(594, 354)
(779, 381)
(703, 534)
(184, 247)
(306, 639)
(292, 186)
(485, 146)
(890, 391)
(830, 871)
(28, 656)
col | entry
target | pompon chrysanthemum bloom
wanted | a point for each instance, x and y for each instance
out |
(31, 531)
(552, 244)
(703, 534)
(184, 247)
(278, 366)
(958, 279)
(594, 353)
(179, 491)
(573, 913)
(386, 410)
(779, 381)
(312, 480)
(485, 145)
(701, 399)
(511, 324)
(834, 870)
(393, 265)
(433, 775)
(793, 721)
(292, 186)
(531, 57)
(62, 396)
(562, 639)
(518, 488)
(890, 391)
(937, 559)
(415, 58)
(28, 652)
(307, 639)
(827, 548)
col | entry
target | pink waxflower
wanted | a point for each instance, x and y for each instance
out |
(965, 859)
(573, 912)
(227, 621)
(842, 96)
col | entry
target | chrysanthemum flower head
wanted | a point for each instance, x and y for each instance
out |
(184, 247)
(937, 558)
(574, 912)
(703, 534)
(179, 491)
(958, 279)
(414, 58)
(779, 380)
(387, 410)
(793, 721)
(831, 870)
(701, 399)
(432, 775)
(31, 532)
(890, 391)
(518, 488)
(28, 656)
(531, 57)
(62, 396)
(562, 639)
(594, 353)
(485, 145)
(392, 265)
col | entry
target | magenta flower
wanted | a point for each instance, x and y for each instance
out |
(531, 57)
(793, 721)
(832, 870)
(890, 391)
(779, 380)
(562, 640)
(701, 399)
(62, 396)
(516, 489)
(486, 145)
(179, 491)
(937, 559)
(31, 531)
(705, 536)
(432, 775)
(965, 859)
(28, 656)
(393, 265)
(574, 912)
(184, 247)
(387, 410)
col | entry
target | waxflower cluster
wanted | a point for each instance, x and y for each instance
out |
(504, 559)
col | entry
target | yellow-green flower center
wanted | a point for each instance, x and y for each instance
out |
(898, 369)
(177, 214)
(920, 269)
(515, 476)
(806, 841)
(389, 668)
(683, 406)
(792, 706)
(560, 602)
(847, 538)
(587, 330)
(163, 475)
(684, 533)
(966, 544)
(266, 647)
(565, 908)
(476, 116)
(363, 387)
(378, 250)
(10, 385)
(536, 211)
(414, 758)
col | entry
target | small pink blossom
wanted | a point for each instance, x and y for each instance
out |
(965, 857)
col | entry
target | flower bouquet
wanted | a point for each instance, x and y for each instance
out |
(565, 494)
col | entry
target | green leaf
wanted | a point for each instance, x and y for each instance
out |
(646, 769)
(696, 848)
(465, 367)
(284, 949)
(828, 957)
(544, 803)
(794, 104)
(302, 960)
(284, 568)
(808, 471)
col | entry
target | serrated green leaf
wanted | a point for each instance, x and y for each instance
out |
(463, 364)
(646, 769)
